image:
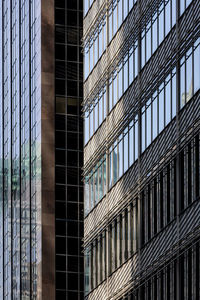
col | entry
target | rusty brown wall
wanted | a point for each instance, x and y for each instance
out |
(48, 146)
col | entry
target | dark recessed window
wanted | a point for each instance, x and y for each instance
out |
(60, 227)
(60, 139)
(72, 35)
(72, 123)
(72, 228)
(61, 281)
(60, 122)
(60, 192)
(72, 88)
(60, 69)
(60, 52)
(60, 262)
(72, 139)
(60, 87)
(60, 175)
(60, 3)
(60, 16)
(60, 210)
(59, 34)
(72, 175)
(60, 157)
(71, 18)
(72, 246)
(60, 244)
(72, 264)
(72, 71)
(72, 281)
(72, 104)
(72, 211)
(72, 53)
(72, 193)
(61, 295)
(72, 158)
(72, 4)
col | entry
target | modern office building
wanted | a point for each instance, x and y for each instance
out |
(142, 149)
(40, 150)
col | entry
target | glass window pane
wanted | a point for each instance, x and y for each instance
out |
(182, 85)
(167, 18)
(101, 181)
(91, 193)
(100, 109)
(100, 42)
(136, 139)
(115, 163)
(196, 69)
(120, 81)
(120, 145)
(96, 186)
(110, 94)
(130, 4)
(161, 109)
(104, 105)
(126, 152)
(85, 6)
(96, 56)
(104, 175)
(143, 50)
(104, 37)
(120, 10)
(173, 12)
(126, 74)
(148, 128)
(115, 90)
(136, 61)
(174, 94)
(182, 6)
(86, 196)
(189, 85)
(131, 70)
(115, 20)
(161, 24)
(154, 34)
(143, 129)
(131, 144)
(155, 115)
(168, 102)
(110, 167)
(148, 42)
(91, 123)
(91, 58)
(125, 8)
(86, 131)
(96, 117)
(110, 25)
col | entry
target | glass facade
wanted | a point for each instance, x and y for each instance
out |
(68, 149)
(141, 112)
(20, 150)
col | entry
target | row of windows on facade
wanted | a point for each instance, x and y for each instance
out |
(157, 113)
(97, 44)
(166, 284)
(162, 21)
(158, 208)
(124, 77)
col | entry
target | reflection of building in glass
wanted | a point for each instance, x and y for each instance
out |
(41, 206)
(141, 112)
